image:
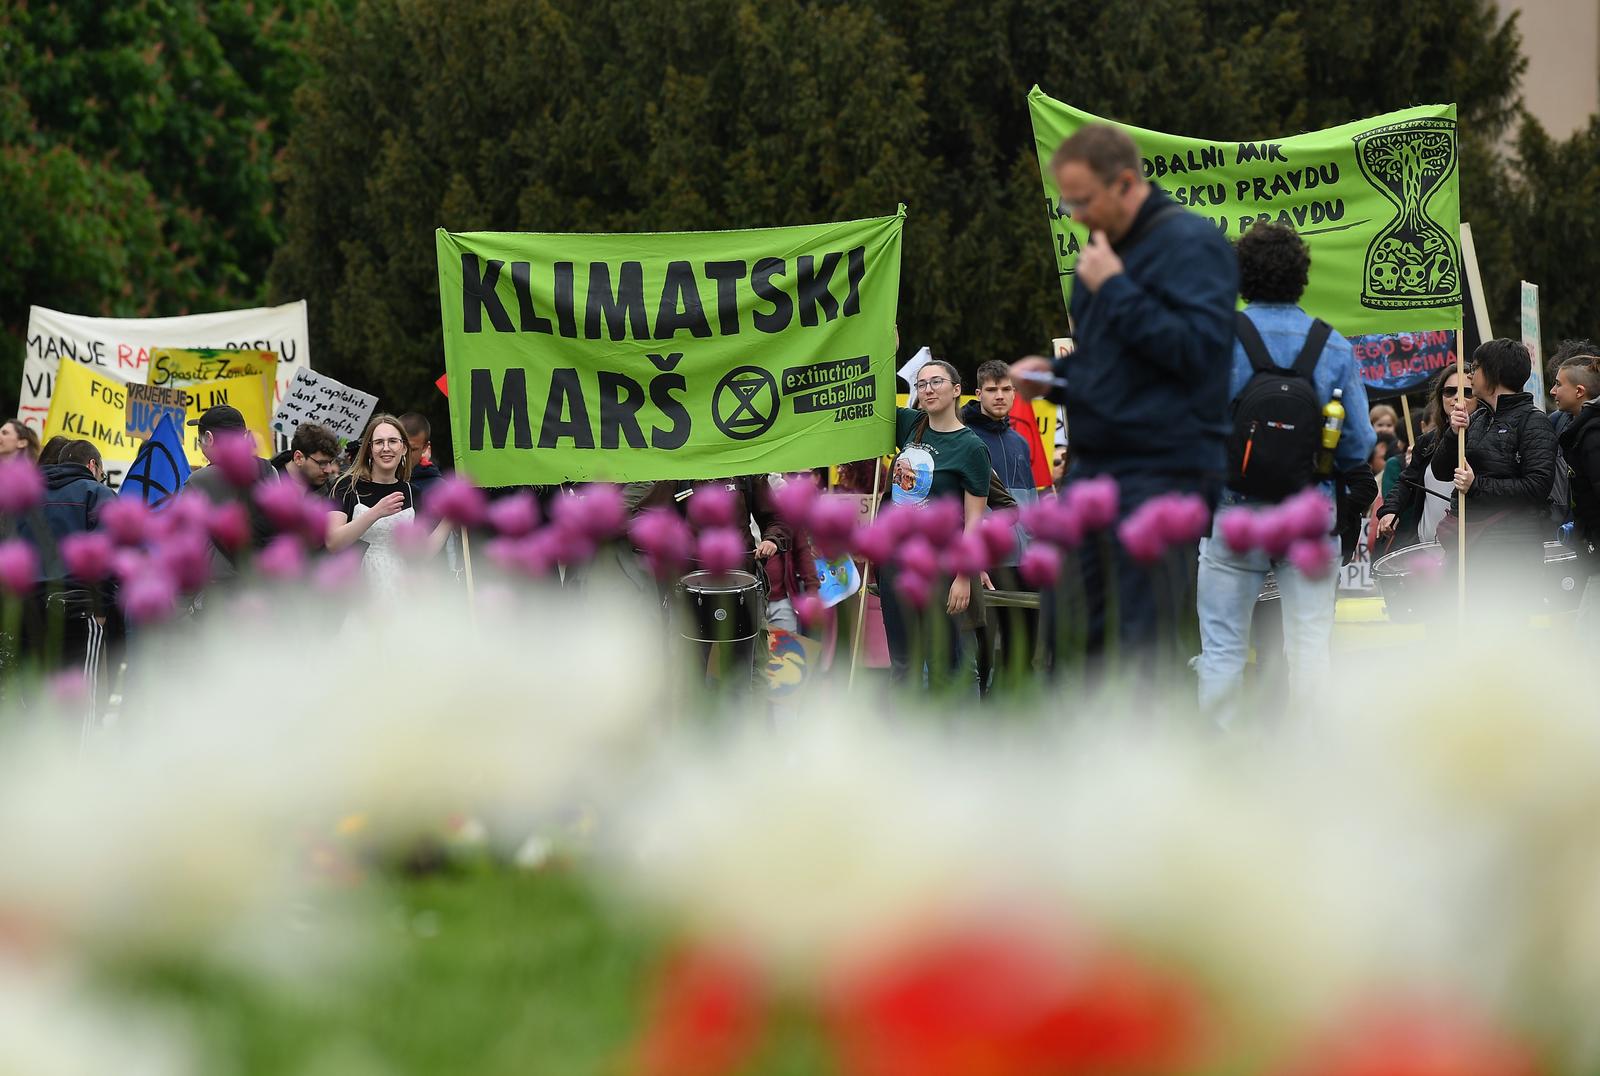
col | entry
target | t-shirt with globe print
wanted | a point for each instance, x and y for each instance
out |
(936, 464)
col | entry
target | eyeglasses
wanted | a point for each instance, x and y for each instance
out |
(324, 464)
(931, 383)
(388, 442)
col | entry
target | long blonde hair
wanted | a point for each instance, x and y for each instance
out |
(361, 469)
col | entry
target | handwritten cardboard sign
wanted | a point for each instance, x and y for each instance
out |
(314, 397)
(149, 404)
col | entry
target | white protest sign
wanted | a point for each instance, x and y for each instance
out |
(908, 372)
(1530, 339)
(120, 347)
(314, 397)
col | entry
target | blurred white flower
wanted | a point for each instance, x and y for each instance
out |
(51, 1025)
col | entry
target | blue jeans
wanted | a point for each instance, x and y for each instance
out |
(1229, 584)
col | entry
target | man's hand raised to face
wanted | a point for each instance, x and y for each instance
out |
(1098, 263)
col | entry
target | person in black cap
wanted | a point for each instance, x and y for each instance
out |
(216, 425)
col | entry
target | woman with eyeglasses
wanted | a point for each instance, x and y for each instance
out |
(1412, 510)
(374, 498)
(937, 458)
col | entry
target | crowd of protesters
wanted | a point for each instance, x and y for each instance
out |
(1208, 455)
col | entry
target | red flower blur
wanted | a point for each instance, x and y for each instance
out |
(1410, 1039)
(994, 1004)
(704, 1019)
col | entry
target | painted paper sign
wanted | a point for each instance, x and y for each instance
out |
(314, 397)
(88, 405)
(689, 355)
(1532, 341)
(247, 394)
(1377, 201)
(839, 579)
(120, 348)
(148, 405)
(1396, 363)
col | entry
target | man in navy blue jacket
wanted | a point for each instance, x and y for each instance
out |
(1146, 387)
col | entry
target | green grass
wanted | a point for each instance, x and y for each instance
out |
(488, 973)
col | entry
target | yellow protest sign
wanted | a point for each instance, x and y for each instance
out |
(183, 367)
(250, 395)
(91, 407)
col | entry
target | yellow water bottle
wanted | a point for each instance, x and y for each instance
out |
(1332, 427)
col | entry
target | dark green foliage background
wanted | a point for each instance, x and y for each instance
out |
(160, 158)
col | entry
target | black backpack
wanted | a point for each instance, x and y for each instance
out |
(1277, 419)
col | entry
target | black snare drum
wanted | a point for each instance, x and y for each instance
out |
(1406, 589)
(722, 606)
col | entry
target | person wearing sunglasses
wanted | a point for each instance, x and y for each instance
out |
(1413, 509)
(937, 458)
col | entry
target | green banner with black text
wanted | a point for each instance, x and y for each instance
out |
(1377, 202)
(669, 355)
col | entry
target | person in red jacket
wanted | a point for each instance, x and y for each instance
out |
(1026, 423)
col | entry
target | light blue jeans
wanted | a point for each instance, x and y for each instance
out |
(1229, 584)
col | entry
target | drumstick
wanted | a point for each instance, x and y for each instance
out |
(1430, 492)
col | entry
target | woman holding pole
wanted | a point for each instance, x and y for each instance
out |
(1505, 479)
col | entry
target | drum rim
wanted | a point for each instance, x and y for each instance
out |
(752, 584)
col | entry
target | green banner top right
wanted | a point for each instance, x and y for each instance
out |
(1377, 201)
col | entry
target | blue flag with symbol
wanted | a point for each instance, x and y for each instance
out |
(159, 470)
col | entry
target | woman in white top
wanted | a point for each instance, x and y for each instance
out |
(373, 498)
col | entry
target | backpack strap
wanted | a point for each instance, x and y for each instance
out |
(1316, 340)
(1255, 349)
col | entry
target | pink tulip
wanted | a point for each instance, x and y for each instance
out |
(1055, 521)
(720, 549)
(1141, 536)
(229, 527)
(917, 556)
(1094, 501)
(596, 513)
(313, 529)
(87, 555)
(999, 535)
(457, 500)
(1187, 519)
(1238, 529)
(186, 512)
(665, 539)
(966, 555)
(712, 505)
(899, 522)
(129, 564)
(1312, 557)
(282, 559)
(21, 486)
(148, 598)
(875, 543)
(562, 545)
(516, 516)
(282, 504)
(338, 572)
(19, 566)
(1308, 514)
(69, 689)
(1040, 566)
(939, 521)
(810, 610)
(913, 588)
(831, 522)
(1274, 533)
(532, 556)
(234, 453)
(127, 520)
(414, 538)
(792, 500)
(186, 559)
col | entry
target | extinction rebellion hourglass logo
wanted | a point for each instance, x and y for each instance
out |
(1413, 261)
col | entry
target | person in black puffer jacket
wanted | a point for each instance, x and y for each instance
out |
(1510, 467)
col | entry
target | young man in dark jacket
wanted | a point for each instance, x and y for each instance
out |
(66, 621)
(1146, 388)
(989, 416)
(1575, 390)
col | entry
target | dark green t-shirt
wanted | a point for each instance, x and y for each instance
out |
(936, 464)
